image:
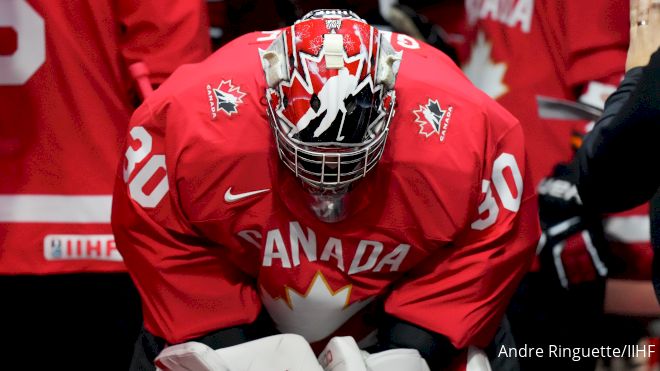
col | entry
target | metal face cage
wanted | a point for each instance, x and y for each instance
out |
(330, 167)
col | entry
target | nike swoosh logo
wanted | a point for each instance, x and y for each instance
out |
(231, 197)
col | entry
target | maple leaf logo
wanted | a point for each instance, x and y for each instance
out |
(228, 97)
(429, 118)
(315, 314)
(482, 70)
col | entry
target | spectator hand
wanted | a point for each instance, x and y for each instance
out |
(572, 246)
(644, 32)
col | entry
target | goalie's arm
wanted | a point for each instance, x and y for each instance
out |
(189, 285)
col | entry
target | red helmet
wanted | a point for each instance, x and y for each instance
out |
(330, 96)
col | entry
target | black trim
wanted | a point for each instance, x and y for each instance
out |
(436, 349)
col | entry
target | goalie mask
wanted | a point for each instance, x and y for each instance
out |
(330, 98)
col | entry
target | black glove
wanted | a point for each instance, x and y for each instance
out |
(572, 247)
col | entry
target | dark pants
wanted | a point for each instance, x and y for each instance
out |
(68, 322)
(503, 338)
(544, 314)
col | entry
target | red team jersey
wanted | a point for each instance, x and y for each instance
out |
(65, 103)
(570, 50)
(212, 226)
(553, 48)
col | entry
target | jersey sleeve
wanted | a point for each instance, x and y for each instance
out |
(463, 289)
(164, 36)
(187, 283)
(595, 49)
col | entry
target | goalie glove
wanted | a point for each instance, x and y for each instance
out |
(285, 352)
(343, 354)
(572, 248)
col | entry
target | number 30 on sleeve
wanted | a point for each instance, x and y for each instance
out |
(30, 54)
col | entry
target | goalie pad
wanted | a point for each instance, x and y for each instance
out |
(190, 356)
(285, 352)
(343, 354)
(477, 360)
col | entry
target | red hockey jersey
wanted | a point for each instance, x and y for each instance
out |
(523, 49)
(65, 98)
(212, 226)
(570, 50)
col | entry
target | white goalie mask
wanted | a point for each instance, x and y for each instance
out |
(330, 98)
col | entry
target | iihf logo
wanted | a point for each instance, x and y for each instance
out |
(432, 119)
(227, 98)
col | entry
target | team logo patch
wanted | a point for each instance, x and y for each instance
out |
(226, 98)
(432, 119)
(81, 247)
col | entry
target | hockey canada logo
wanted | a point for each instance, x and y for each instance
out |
(226, 97)
(432, 119)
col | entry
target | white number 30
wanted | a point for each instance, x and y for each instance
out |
(505, 194)
(148, 171)
(30, 54)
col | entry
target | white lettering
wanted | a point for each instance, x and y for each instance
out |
(371, 261)
(394, 259)
(523, 352)
(489, 8)
(30, 53)
(136, 186)
(559, 188)
(509, 12)
(275, 249)
(155, 164)
(333, 249)
(298, 237)
(445, 124)
(522, 14)
(368, 254)
(504, 192)
(133, 157)
(406, 41)
(212, 105)
(251, 236)
(488, 205)
(503, 352)
(504, 161)
(81, 247)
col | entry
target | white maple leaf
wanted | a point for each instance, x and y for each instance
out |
(485, 73)
(317, 313)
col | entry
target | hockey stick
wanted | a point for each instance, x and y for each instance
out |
(561, 109)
